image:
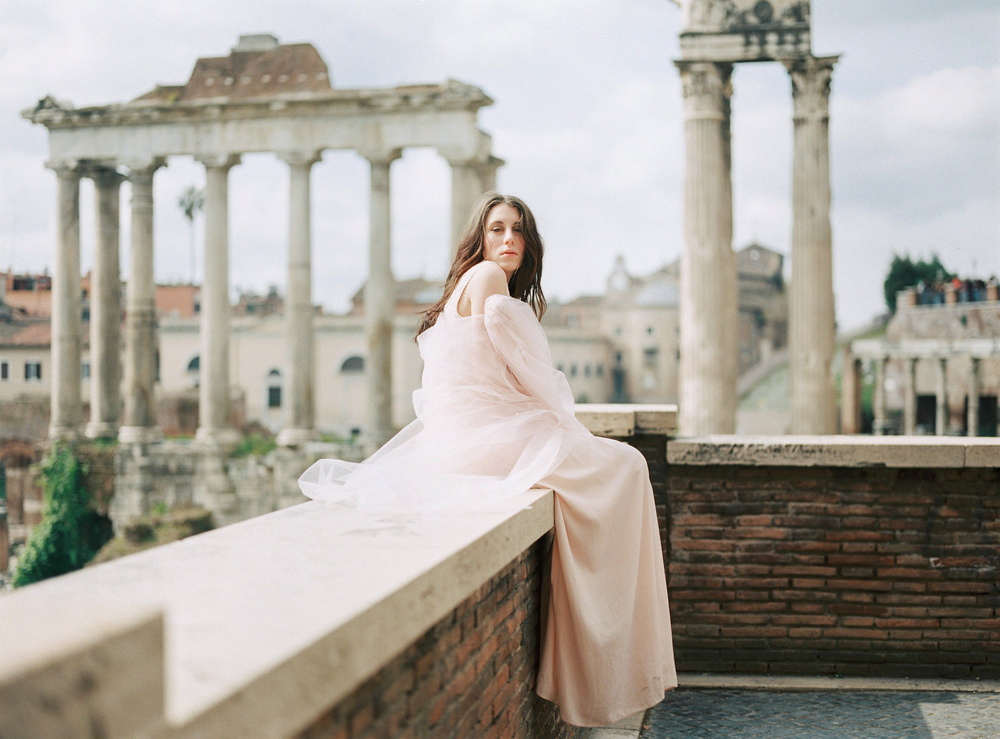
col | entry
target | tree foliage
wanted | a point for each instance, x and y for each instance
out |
(71, 531)
(904, 273)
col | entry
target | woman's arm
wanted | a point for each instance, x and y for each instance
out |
(488, 280)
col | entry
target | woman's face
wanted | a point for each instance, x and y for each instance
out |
(504, 242)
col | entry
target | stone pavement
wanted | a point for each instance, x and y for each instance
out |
(731, 713)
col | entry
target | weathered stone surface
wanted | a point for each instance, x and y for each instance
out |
(93, 669)
(834, 451)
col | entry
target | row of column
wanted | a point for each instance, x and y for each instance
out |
(851, 416)
(708, 310)
(470, 180)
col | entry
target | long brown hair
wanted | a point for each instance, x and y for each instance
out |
(525, 284)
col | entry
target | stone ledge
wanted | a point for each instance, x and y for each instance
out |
(835, 451)
(273, 620)
(67, 668)
(621, 420)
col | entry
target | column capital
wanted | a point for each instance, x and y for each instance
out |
(300, 158)
(811, 86)
(219, 161)
(105, 176)
(707, 87)
(68, 168)
(381, 156)
(139, 167)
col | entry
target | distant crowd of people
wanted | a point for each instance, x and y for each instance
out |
(966, 291)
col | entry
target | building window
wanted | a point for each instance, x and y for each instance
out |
(32, 371)
(649, 330)
(586, 370)
(353, 365)
(572, 370)
(193, 370)
(600, 370)
(649, 357)
(559, 366)
(274, 389)
(4, 371)
(85, 371)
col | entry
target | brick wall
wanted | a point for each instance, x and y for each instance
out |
(471, 675)
(833, 570)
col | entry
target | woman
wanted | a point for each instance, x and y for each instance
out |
(494, 419)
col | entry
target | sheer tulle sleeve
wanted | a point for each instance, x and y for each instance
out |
(492, 415)
(521, 343)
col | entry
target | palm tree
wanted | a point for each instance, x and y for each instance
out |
(191, 201)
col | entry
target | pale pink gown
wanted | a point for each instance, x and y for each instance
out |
(494, 419)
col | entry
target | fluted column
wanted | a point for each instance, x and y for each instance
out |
(140, 313)
(466, 187)
(910, 403)
(379, 302)
(878, 399)
(972, 420)
(708, 315)
(488, 173)
(67, 411)
(850, 407)
(941, 411)
(811, 310)
(300, 419)
(213, 395)
(106, 309)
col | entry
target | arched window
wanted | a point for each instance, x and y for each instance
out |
(193, 370)
(353, 365)
(274, 389)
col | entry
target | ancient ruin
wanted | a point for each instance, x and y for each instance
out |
(716, 34)
(262, 97)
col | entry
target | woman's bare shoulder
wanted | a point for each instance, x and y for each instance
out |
(488, 280)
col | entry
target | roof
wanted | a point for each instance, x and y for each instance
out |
(758, 260)
(257, 67)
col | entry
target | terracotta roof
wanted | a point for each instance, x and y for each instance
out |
(38, 334)
(258, 67)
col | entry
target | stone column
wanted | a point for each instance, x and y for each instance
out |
(910, 404)
(488, 174)
(300, 418)
(466, 188)
(708, 315)
(850, 409)
(974, 387)
(810, 310)
(67, 411)
(213, 390)
(878, 401)
(941, 412)
(106, 310)
(379, 302)
(140, 313)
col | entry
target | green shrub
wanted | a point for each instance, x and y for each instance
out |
(254, 444)
(71, 531)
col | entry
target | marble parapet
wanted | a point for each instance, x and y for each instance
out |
(267, 622)
(836, 451)
(625, 420)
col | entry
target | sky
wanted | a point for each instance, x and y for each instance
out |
(588, 115)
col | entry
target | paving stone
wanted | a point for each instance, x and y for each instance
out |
(752, 714)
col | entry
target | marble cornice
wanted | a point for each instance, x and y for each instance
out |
(450, 96)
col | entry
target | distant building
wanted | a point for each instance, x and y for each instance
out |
(937, 371)
(618, 347)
